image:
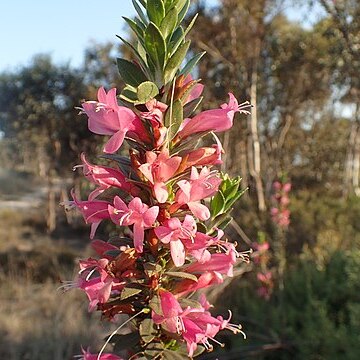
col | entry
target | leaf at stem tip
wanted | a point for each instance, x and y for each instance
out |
(155, 45)
(155, 11)
(168, 24)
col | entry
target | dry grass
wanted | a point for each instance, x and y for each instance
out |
(38, 322)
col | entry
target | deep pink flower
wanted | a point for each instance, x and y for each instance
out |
(174, 232)
(158, 169)
(199, 187)
(137, 214)
(86, 355)
(217, 120)
(106, 177)
(93, 211)
(106, 117)
(205, 280)
(195, 325)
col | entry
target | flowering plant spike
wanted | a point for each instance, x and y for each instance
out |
(167, 200)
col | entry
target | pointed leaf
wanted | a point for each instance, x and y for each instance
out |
(130, 73)
(125, 342)
(146, 92)
(182, 275)
(174, 355)
(154, 350)
(128, 292)
(147, 331)
(191, 107)
(191, 64)
(155, 305)
(155, 45)
(217, 204)
(182, 7)
(174, 118)
(175, 61)
(140, 12)
(155, 11)
(179, 41)
(169, 22)
(139, 32)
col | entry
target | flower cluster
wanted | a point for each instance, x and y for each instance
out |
(280, 212)
(261, 258)
(167, 201)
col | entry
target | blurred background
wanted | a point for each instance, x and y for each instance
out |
(298, 63)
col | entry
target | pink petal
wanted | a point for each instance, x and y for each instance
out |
(161, 192)
(199, 210)
(150, 216)
(177, 252)
(138, 237)
(114, 142)
(164, 234)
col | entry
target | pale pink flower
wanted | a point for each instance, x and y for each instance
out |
(106, 177)
(174, 232)
(217, 120)
(158, 169)
(93, 211)
(106, 117)
(287, 187)
(199, 187)
(137, 214)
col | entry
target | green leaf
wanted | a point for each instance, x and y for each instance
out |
(130, 73)
(113, 253)
(235, 198)
(135, 52)
(139, 32)
(173, 355)
(191, 64)
(191, 107)
(182, 275)
(179, 41)
(178, 4)
(217, 204)
(173, 118)
(152, 268)
(128, 292)
(155, 45)
(154, 350)
(140, 12)
(146, 91)
(175, 61)
(182, 7)
(129, 94)
(125, 342)
(155, 305)
(169, 22)
(147, 331)
(155, 10)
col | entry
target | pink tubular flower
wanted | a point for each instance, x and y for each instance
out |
(93, 211)
(106, 177)
(173, 232)
(217, 120)
(137, 214)
(196, 91)
(106, 117)
(199, 187)
(158, 169)
(86, 355)
(195, 325)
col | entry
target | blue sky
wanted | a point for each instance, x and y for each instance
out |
(61, 28)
